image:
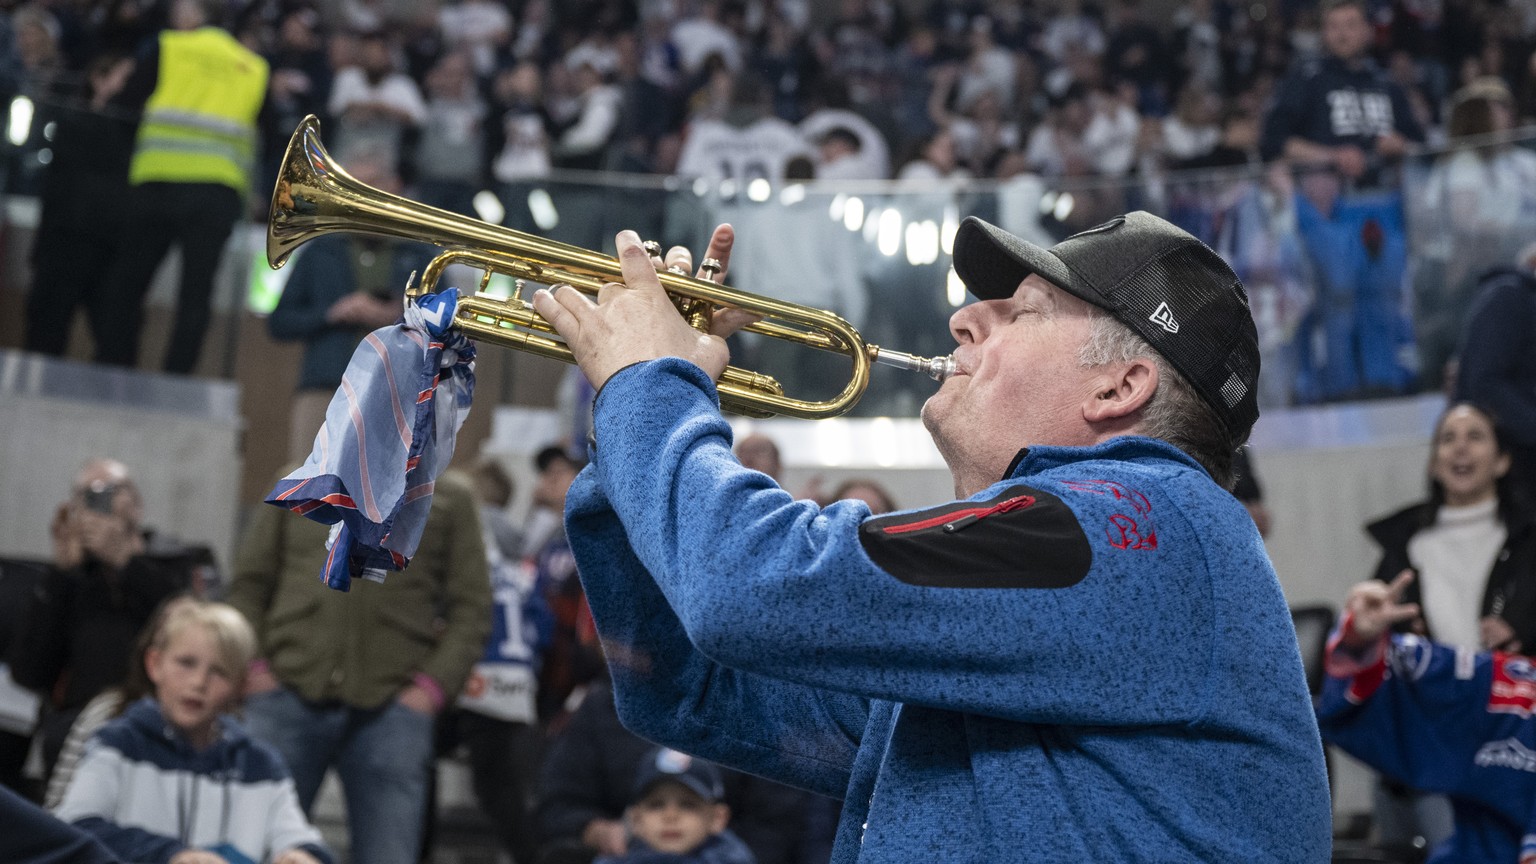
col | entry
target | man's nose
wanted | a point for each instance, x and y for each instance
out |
(965, 325)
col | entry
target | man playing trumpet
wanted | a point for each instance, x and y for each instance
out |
(1085, 657)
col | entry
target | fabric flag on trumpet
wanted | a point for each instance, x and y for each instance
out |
(389, 432)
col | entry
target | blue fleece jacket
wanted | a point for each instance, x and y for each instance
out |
(1089, 661)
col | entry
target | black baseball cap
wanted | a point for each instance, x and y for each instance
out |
(1153, 277)
(662, 765)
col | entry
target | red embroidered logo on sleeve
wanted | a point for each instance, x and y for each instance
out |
(1126, 530)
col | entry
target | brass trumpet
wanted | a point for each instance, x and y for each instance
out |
(316, 196)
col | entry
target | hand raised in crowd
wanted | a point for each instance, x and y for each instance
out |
(295, 856)
(607, 836)
(636, 321)
(1497, 635)
(1376, 606)
(197, 856)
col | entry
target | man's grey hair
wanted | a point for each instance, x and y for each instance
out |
(1175, 413)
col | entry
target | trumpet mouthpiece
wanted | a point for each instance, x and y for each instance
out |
(937, 368)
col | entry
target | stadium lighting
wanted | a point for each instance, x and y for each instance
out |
(19, 127)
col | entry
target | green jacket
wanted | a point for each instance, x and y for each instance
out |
(361, 647)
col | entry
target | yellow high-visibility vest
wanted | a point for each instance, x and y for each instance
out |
(199, 125)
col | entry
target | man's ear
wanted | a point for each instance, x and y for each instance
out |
(1121, 390)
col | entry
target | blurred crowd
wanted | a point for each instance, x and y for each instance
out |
(477, 92)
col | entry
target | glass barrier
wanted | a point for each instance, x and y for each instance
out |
(1356, 293)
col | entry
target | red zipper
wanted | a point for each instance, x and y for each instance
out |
(962, 518)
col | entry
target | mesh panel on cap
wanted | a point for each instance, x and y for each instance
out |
(1215, 347)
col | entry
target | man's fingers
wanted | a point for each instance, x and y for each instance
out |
(725, 322)
(1396, 588)
(719, 253)
(561, 308)
(636, 263)
(1399, 614)
(679, 260)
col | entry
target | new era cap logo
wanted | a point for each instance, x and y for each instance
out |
(1163, 318)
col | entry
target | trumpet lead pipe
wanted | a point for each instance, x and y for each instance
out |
(937, 368)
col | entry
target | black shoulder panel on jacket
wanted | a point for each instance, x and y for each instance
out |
(1020, 538)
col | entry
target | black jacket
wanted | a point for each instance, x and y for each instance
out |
(1510, 591)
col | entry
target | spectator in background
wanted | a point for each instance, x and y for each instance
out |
(1477, 208)
(870, 156)
(374, 103)
(1345, 127)
(1113, 134)
(1497, 367)
(341, 287)
(677, 814)
(201, 91)
(702, 35)
(108, 705)
(480, 28)
(590, 774)
(18, 705)
(1135, 53)
(130, 788)
(1193, 130)
(77, 632)
(573, 658)
(933, 159)
(519, 137)
(450, 154)
(1472, 546)
(300, 84)
(1056, 147)
(1444, 718)
(354, 681)
(748, 143)
(759, 453)
(84, 207)
(867, 490)
(496, 717)
(583, 143)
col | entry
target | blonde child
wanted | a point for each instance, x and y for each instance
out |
(176, 781)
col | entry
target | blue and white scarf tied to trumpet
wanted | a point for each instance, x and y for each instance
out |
(388, 434)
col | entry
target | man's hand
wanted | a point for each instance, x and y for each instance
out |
(1392, 145)
(1497, 635)
(416, 698)
(295, 856)
(361, 309)
(1350, 161)
(260, 680)
(197, 856)
(1375, 607)
(67, 551)
(607, 836)
(636, 321)
(107, 537)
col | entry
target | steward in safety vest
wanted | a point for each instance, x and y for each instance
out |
(199, 124)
